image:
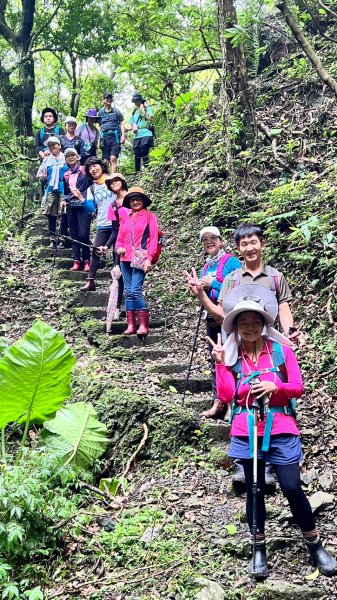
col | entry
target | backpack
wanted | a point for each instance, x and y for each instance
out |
(160, 245)
(148, 125)
(219, 271)
(43, 132)
(273, 274)
(278, 361)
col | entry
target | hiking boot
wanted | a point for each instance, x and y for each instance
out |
(76, 266)
(321, 558)
(270, 478)
(216, 410)
(89, 286)
(60, 245)
(239, 474)
(52, 244)
(143, 318)
(86, 266)
(131, 320)
(260, 568)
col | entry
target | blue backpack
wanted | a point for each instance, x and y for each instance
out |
(43, 132)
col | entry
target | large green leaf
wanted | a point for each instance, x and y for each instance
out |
(35, 376)
(76, 435)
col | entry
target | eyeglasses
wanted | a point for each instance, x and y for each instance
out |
(213, 238)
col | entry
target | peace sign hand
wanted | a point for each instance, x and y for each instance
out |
(194, 283)
(218, 352)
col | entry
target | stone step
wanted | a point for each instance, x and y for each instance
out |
(128, 341)
(217, 431)
(98, 299)
(199, 403)
(66, 263)
(196, 384)
(82, 275)
(44, 252)
(167, 368)
(37, 231)
(156, 353)
(93, 327)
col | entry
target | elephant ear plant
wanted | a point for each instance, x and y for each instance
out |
(35, 377)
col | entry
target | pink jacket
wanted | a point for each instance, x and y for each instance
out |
(293, 388)
(122, 211)
(145, 234)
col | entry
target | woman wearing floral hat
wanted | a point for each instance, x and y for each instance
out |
(136, 244)
(256, 363)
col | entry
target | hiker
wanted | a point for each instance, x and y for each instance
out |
(116, 183)
(136, 244)
(250, 241)
(52, 171)
(79, 220)
(49, 119)
(143, 132)
(71, 140)
(112, 131)
(89, 134)
(218, 265)
(255, 347)
(98, 199)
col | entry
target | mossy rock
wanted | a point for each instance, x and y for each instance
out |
(283, 590)
(124, 412)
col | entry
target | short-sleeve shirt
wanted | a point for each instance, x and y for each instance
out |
(138, 118)
(262, 278)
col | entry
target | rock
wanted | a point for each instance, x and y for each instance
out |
(210, 590)
(282, 590)
(151, 533)
(309, 476)
(321, 501)
(279, 543)
(106, 523)
(326, 481)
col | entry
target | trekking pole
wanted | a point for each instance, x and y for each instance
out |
(192, 353)
(57, 241)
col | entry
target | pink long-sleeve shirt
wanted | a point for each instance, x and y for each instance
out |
(145, 234)
(292, 388)
(123, 212)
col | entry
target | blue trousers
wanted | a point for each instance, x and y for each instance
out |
(133, 287)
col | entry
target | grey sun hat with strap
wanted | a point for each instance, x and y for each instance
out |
(260, 298)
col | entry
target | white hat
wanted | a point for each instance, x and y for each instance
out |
(210, 229)
(244, 306)
(70, 151)
(70, 120)
(53, 140)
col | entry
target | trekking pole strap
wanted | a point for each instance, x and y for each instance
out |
(270, 412)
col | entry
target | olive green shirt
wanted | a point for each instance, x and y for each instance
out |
(262, 278)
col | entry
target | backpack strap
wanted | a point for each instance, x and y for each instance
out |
(219, 271)
(274, 277)
(42, 132)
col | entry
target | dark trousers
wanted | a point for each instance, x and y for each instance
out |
(288, 477)
(52, 219)
(141, 149)
(212, 331)
(106, 237)
(133, 282)
(79, 225)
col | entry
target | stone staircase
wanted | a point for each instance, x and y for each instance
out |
(159, 351)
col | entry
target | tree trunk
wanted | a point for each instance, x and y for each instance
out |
(306, 47)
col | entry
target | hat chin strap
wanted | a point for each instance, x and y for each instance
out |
(231, 345)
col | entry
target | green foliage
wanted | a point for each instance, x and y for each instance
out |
(76, 435)
(35, 376)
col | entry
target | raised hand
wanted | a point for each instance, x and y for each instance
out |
(218, 352)
(194, 283)
(262, 388)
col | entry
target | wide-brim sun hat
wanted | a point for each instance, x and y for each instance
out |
(246, 306)
(111, 178)
(71, 151)
(52, 111)
(210, 229)
(53, 140)
(136, 192)
(92, 112)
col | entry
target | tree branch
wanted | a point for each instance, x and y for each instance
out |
(327, 9)
(201, 67)
(306, 47)
(37, 33)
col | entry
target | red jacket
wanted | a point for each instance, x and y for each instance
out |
(144, 228)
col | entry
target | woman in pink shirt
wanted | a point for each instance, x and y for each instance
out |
(252, 349)
(136, 244)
